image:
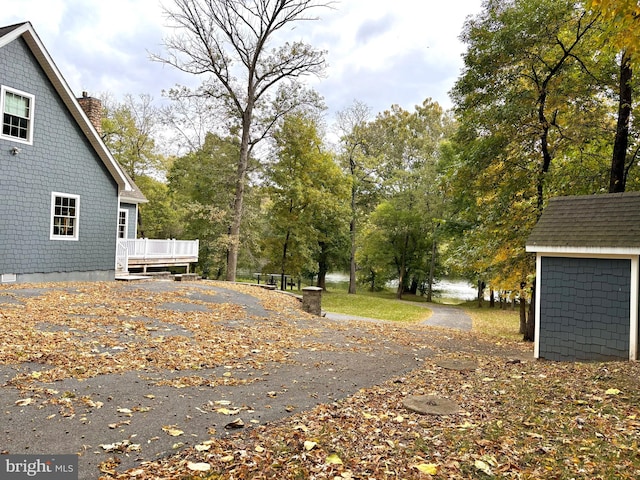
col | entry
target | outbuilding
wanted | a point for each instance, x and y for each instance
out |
(587, 268)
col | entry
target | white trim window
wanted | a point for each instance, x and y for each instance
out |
(65, 211)
(17, 115)
(123, 223)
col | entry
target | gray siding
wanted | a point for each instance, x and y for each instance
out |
(132, 218)
(60, 160)
(584, 308)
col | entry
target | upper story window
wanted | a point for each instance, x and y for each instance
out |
(64, 216)
(17, 115)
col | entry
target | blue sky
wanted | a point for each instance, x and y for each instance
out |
(380, 52)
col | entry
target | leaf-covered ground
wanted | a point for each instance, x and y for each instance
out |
(520, 418)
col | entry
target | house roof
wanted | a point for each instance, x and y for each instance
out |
(606, 224)
(134, 195)
(25, 30)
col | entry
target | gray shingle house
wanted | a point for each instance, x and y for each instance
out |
(587, 277)
(64, 200)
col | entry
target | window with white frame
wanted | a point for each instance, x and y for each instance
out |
(65, 209)
(122, 223)
(17, 115)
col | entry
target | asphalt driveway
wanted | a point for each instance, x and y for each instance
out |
(123, 373)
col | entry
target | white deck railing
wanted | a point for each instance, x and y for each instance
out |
(144, 248)
(143, 251)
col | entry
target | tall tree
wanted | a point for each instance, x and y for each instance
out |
(129, 130)
(351, 123)
(307, 201)
(406, 145)
(532, 123)
(202, 183)
(621, 31)
(231, 43)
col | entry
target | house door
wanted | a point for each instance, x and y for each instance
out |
(122, 259)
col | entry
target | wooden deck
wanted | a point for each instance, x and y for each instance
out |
(144, 253)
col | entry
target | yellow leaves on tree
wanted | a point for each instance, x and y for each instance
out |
(622, 24)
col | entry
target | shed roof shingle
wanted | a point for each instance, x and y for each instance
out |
(589, 221)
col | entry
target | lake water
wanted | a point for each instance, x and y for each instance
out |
(458, 289)
(445, 288)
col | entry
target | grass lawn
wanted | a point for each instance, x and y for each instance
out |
(495, 322)
(379, 305)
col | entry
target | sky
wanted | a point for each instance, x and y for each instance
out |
(380, 52)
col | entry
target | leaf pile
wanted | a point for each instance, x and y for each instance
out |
(101, 328)
(520, 420)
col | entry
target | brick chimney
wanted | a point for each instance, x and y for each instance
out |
(93, 109)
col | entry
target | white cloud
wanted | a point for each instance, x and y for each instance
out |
(379, 51)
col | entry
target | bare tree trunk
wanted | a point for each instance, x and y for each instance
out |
(481, 286)
(617, 177)
(432, 268)
(523, 313)
(241, 178)
(283, 266)
(529, 335)
(352, 232)
(400, 289)
(403, 268)
(322, 266)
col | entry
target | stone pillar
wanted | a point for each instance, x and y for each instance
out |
(312, 300)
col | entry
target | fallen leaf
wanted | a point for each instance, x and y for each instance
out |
(172, 430)
(309, 445)
(199, 466)
(612, 391)
(428, 468)
(227, 411)
(483, 467)
(237, 423)
(333, 459)
(227, 459)
(24, 402)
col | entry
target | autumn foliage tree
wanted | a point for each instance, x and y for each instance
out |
(533, 122)
(399, 232)
(233, 46)
(307, 203)
(621, 32)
